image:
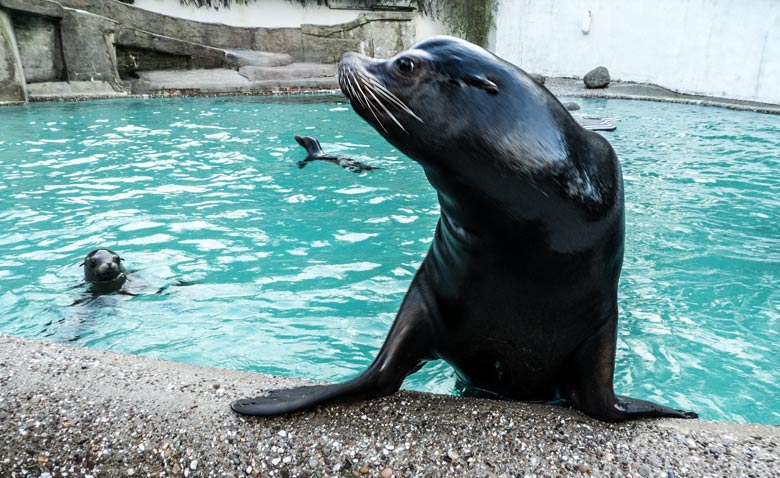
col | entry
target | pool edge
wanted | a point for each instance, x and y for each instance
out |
(569, 87)
(109, 414)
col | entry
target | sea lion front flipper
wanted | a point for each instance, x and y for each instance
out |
(407, 347)
(590, 388)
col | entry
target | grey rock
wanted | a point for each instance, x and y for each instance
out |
(38, 39)
(37, 7)
(538, 77)
(259, 58)
(280, 40)
(597, 78)
(168, 52)
(571, 105)
(88, 47)
(644, 470)
(289, 72)
(328, 50)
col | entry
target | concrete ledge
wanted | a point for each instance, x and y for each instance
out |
(68, 411)
(72, 90)
(224, 82)
(41, 7)
(638, 91)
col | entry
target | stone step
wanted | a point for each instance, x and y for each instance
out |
(190, 79)
(223, 81)
(68, 90)
(289, 72)
(259, 58)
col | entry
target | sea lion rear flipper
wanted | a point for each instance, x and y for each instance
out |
(407, 347)
(590, 387)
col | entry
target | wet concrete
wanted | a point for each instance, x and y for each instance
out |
(68, 411)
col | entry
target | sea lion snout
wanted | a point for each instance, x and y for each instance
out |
(102, 265)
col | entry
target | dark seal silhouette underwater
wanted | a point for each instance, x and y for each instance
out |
(315, 153)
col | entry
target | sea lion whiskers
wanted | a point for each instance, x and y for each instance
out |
(351, 88)
(382, 105)
(382, 90)
(368, 102)
(380, 96)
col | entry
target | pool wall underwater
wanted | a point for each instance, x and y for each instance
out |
(302, 270)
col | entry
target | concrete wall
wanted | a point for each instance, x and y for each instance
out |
(717, 48)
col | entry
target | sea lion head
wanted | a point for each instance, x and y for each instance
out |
(103, 266)
(445, 98)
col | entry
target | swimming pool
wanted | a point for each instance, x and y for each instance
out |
(299, 272)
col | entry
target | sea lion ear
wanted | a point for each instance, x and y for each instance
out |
(82, 264)
(481, 82)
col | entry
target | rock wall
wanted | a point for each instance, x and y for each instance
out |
(373, 33)
(12, 84)
(88, 47)
(376, 34)
(67, 41)
(38, 38)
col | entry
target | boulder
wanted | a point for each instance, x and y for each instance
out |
(538, 77)
(571, 105)
(597, 78)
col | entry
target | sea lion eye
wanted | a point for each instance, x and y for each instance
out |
(92, 262)
(404, 65)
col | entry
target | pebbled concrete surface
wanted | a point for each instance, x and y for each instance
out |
(75, 412)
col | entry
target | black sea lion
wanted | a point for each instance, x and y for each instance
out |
(103, 271)
(519, 289)
(105, 274)
(312, 146)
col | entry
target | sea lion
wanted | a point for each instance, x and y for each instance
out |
(103, 271)
(518, 291)
(312, 146)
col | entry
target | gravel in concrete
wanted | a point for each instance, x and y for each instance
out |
(75, 412)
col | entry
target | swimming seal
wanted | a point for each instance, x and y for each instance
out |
(518, 291)
(105, 274)
(103, 271)
(312, 146)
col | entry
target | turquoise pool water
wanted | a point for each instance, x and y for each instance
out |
(299, 272)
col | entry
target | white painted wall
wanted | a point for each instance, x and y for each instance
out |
(723, 48)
